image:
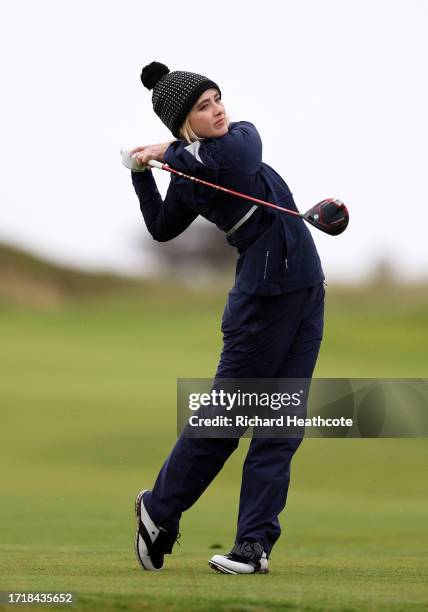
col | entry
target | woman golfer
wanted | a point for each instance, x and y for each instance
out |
(273, 320)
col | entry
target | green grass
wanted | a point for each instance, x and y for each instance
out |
(87, 400)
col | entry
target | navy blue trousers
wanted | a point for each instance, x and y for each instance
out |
(264, 337)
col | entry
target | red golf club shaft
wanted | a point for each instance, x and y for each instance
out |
(161, 166)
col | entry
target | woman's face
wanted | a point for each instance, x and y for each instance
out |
(208, 116)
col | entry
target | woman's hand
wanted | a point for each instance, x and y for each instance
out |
(144, 154)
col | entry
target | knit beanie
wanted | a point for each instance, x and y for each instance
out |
(174, 93)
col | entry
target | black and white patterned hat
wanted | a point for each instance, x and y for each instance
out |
(174, 93)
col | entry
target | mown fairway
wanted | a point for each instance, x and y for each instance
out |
(88, 414)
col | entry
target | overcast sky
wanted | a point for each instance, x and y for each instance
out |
(337, 89)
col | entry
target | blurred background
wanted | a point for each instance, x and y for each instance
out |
(97, 321)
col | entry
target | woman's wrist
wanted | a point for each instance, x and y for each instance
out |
(148, 152)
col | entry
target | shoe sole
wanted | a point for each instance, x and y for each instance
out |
(225, 570)
(137, 533)
(220, 568)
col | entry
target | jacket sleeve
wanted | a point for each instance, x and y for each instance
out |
(164, 219)
(240, 148)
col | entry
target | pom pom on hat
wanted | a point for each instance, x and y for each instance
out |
(152, 74)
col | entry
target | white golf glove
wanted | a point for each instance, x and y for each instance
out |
(130, 162)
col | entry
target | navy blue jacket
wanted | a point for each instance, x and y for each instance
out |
(276, 251)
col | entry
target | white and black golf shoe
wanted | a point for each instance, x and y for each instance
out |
(151, 542)
(246, 557)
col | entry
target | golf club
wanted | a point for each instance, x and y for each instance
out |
(330, 216)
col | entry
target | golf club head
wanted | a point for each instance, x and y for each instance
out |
(330, 216)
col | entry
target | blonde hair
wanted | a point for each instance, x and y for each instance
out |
(186, 132)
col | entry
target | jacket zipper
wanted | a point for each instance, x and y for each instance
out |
(286, 254)
(266, 263)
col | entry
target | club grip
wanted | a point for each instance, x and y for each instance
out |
(155, 164)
